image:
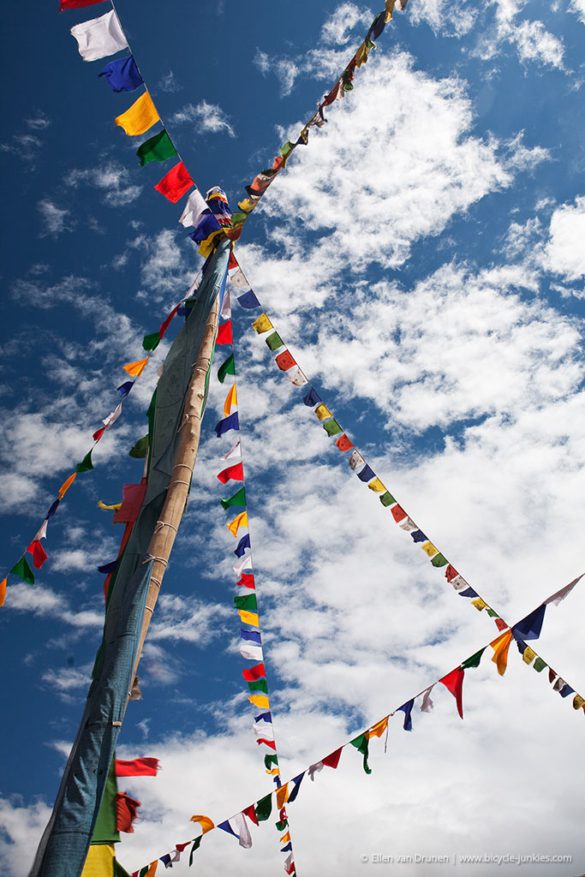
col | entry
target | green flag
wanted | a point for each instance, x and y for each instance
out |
(439, 560)
(331, 427)
(226, 368)
(274, 341)
(151, 342)
(270, 761)
(473, 661)
(23, 571)
(258, 685)
(387, 499)
(86, 465)
(157, 148)
(280, 826)
(539, 665)
(362, 744)
(140, 449)
(264, 808)
(248, 602)
(196, 845)
(105, 831)
(238, 499)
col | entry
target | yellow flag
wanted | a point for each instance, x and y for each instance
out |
(230, 399)
(429, 549)
(135, 369)
(578, 702)
(262, 324)
(247, 205)
(322, 412)
(109, 508)
(479, 603)
(361, 56)
(378, 729)
(206, 247)
(152, 869)
(377, 486)
(389, 10)
(248, 617)
(282, 796)
(285, 837)
(259, 700)
(3, 584)
(66, 485)
(100, 861)
(240, 520)
(528, 655)
(273, 771)
(500, 647)
(204, 821)
(141, 116)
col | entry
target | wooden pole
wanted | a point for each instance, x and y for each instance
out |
(165, 532)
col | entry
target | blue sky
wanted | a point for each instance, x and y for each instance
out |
(423, 258)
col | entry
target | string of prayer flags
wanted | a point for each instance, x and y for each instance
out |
(122, 74)
(288, 791)
(99, 37)
(159, 147)
(138, 118)
(175, 183)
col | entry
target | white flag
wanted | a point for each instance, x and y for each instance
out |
(235, 452)
(427, 704)
(296, 377)
(240, 826)
(113, 416)
(356, 461)
(239, 279)
(251, 652)
(194, 208)
(244, 562)
(99, 37)
(564, 592)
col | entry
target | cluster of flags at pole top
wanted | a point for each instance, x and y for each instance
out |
(245, 600)
(287, 792)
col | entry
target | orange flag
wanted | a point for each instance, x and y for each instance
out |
(204, 821)
(230, 400)
(3, 584)
(66, 485)
(500, 647)
(135, 369)
(282, 796)
(378, 729)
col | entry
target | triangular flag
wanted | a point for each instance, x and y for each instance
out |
(86, 464)
(240, 520)
(66, 485)
(453, 681)
(135, 369)
(204, 821)
(22, 570)
(231, 400)
(500, 647)
(39, 555)
(226, 368)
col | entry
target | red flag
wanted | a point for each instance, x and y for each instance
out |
(250, 812)
(258, 671)
(77, 4)
(39, 554)
(137, 767)
(501, 624)
(246, 580)
(453, 682)
(285, 360)
(398, 513)
(269, 743)
(344, 443)
(233, 263)
(290, 868)
(132, 499)
(450, 573)
(165, 325)
(126, 812)
(332, 760)
(224, 333)
(232, 473)
(174, 184)
(98, 433)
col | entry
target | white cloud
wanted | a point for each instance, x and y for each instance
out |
(578, 7)
(169, 83)
(39, 121)
(535, 43)
(340, 27)
(565, 251)
(54, 218)
(205, 117)
(112, 179)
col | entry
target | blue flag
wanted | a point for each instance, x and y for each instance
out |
(248, 300)
(122, 75)
(242, 545)
(530, 627)
(231, 422)
(407, 710)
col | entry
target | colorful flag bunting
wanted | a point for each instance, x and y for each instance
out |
(322, 412)
(366, 474)
(250, 618)
(99, 37)
(285, 360)
(122, 74)
(253, 673)
(242, 545)
(157, 148)
(332, 427)
(344, 443)
(138, 118)
(175, 183)
(39, 555)
(66, 485)
(248, 300)
(274, 341)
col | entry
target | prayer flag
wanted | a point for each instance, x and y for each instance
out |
(453, 682)
(297, 781)
(243, 563)
(86, 464)
(251, 652)
(285, 360)
(135, 369)
(560, 595)
(297, 377)
(501, 646)
(262, 324)
(274, 341)
(528, 655)
(259, 700)
(66, 485)
(126, 812)
(418, 536)
(539, 664)
(22, 570)
(387, 500)
(225, 334)
(242, 545)
(281, 796)
(138, 118)
(250, 811)
(122, 74)
(246, 602)
(99, 37)
(362, 744)
(427, 704)
(226, 368)
(376, 730)
(125, 388)
(194, 209)
(312, 398)
(227, 423)
(136, 767)
(530, 626)
(157, 148)
(332, 760)
(253, 636)
(231, 400)
(175, 183)
(240, 520)
(439, 560)
(474, 661)
(366, 474)
(246, 580)
(377, 486)
(332, 427)
(429, 549)
(253, 673)
(237, 499)
(205, 822)
(322, 412)
(264, 808)
(3, 585)
(250, 618)
(39, 555)
(248, 300)
(407, 710)
(77, 4)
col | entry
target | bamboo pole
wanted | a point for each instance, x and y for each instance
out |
(165, 531)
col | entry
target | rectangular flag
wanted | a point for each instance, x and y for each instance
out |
(99, 37)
